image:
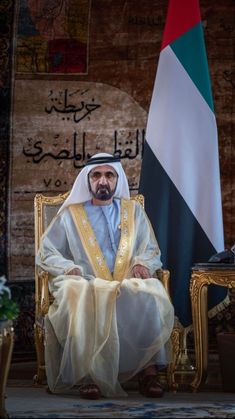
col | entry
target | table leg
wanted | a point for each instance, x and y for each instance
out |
(6, 346)
(199, 291)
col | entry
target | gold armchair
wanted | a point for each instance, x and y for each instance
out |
(45, 208)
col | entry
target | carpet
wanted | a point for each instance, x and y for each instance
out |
(36, 403)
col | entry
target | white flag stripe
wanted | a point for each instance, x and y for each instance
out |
(182, 133)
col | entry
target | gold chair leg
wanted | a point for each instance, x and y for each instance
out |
(171, 369)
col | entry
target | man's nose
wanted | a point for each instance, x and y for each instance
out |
(103, 180)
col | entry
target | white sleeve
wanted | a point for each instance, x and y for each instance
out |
(54, 254)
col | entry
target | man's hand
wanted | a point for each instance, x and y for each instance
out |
(74, 271)
(139, 271)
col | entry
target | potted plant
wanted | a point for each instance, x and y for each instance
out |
(9, 309)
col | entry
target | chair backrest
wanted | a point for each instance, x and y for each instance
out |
(45, 209)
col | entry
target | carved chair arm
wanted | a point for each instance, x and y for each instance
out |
(45, 295)
(164, 276)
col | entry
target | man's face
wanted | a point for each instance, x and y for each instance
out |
(102, 182)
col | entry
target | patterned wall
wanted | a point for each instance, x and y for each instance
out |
(6, 13)
(119, 43)
(53, 140)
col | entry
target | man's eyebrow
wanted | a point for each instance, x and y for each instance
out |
(106, 171)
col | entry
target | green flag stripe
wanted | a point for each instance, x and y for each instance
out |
(191, 52)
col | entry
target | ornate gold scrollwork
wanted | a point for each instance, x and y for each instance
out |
(42, 295)
(200, 280)
(139, 198)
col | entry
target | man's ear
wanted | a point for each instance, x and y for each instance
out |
(116, 183)
(88, 181)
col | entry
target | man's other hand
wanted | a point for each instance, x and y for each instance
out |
(74, 271)
(140, 271)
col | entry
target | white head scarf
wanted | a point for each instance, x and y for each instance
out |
(80, 191)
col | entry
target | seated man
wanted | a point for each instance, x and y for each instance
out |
(111, 318)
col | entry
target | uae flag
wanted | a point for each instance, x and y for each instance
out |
(180, 176)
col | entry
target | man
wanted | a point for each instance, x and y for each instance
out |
(111, 317)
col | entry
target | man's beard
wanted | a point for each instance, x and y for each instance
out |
(103, 193)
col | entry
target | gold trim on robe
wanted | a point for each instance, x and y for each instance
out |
(122, 262)
(89, 242)
(92, 247)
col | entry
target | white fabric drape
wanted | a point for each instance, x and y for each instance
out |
(99, 330)
(91, 323)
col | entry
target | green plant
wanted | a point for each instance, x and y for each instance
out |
(9, 309)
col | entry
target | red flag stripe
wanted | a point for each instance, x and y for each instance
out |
(182, 15)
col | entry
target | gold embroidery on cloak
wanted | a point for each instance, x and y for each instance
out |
(90, 244)
(124, 252)
(92, 247)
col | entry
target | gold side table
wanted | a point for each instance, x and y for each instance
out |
(202, 276)
(6, 347)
